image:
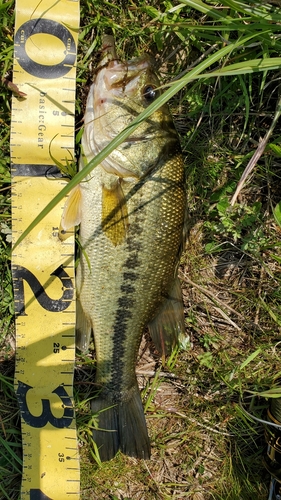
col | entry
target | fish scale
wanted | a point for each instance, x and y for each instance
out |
(131, 231)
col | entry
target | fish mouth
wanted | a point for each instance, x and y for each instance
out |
(120, 75)
(108, 50)
(116, 97)
(170, 134)
(109, 57)
(138, 139)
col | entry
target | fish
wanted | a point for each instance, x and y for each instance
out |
(131, 213)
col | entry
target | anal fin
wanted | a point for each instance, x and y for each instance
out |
(83, 328)
(167, 328)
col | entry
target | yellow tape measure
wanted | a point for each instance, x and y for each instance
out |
(46, 36)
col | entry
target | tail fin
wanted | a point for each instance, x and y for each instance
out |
(121, 426)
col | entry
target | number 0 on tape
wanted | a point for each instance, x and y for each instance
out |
(46, 35)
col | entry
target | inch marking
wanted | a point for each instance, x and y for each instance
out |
(20, 274)
(46, 415)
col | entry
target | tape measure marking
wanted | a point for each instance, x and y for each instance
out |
(43, 267)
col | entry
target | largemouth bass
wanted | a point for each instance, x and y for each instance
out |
(132, 216)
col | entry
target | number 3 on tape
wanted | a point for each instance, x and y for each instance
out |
(46, 36)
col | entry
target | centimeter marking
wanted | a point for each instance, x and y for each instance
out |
(46, 36)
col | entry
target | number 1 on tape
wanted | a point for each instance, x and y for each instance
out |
(46, 35)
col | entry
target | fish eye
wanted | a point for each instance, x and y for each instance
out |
(149, 93)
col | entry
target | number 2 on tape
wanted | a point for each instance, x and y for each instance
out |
(20, 273)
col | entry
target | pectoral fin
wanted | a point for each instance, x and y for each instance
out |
(114, 214)
(167, 329)
(72, 212)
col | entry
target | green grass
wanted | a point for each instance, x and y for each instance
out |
(220, 68)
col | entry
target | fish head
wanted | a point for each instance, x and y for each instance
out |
(120, 92)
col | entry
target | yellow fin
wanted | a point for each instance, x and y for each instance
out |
(72, 212)
(114, 214)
